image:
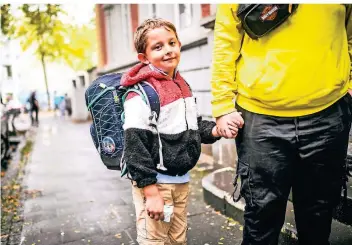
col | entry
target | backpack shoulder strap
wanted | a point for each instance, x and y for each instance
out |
(154, 102)
(152, 97)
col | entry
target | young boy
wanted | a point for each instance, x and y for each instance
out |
(158, 160)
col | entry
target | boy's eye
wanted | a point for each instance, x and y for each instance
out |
(157, 47)
(172, 43)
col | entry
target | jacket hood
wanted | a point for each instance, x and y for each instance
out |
(141, 72)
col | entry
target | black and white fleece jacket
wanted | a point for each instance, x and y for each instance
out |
(181, 131)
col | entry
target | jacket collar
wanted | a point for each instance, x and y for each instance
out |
(154, 68)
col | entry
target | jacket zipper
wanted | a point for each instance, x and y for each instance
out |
(184, 103)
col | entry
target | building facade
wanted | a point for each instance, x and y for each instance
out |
(116, 24)
(9, 75)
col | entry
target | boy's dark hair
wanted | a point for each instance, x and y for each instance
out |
(140, 37)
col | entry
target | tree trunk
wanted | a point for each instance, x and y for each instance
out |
(46, 82)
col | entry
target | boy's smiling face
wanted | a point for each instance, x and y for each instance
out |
(162, 50)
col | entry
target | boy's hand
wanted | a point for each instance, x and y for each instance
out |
(214, 132)
(232, 127)
(227, 125)
(154, 202)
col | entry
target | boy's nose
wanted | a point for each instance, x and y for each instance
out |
(168, 50)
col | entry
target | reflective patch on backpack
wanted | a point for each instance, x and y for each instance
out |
(108, 145)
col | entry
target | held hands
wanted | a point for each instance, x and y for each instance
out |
(227, 125)
(154, 202)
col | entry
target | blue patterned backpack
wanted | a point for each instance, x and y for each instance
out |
(104, 99)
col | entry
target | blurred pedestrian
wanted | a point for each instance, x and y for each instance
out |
(34, 108)
(62, 106)
(68, 104)
(57, 101)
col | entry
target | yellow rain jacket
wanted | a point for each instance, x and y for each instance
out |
(300, 68)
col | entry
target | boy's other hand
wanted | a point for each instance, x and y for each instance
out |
(214, 132)
(154, 202)
(227, 125)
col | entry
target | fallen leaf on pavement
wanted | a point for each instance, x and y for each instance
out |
(233, 223)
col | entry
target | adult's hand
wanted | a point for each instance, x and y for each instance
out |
(226, 123)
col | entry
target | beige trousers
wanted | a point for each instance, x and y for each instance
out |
(152, 232)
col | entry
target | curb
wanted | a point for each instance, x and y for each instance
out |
(221, 200)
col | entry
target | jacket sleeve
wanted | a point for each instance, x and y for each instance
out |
(205, 129)
(138, 137)
(349, 37)
(228, 35)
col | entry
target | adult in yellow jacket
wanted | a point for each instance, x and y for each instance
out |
(292, 89)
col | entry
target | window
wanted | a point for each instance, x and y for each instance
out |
(154, 10)
(185, 12)
(7, 71)
(118, 31)
(82, 80)
(126, 27)
(108, 12)
(150, 11)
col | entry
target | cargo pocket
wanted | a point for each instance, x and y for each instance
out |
(348, 99)
(345, 176)
(243, 171)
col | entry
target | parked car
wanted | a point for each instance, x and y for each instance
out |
(13, 109)
(5, 145)
(9, 113)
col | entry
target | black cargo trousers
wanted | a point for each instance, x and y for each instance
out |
(307, 154)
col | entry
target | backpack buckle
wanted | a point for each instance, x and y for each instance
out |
(153, 119)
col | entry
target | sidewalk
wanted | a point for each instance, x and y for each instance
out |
(73, 199)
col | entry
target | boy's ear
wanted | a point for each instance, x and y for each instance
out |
(180, 44)
(142, 58)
